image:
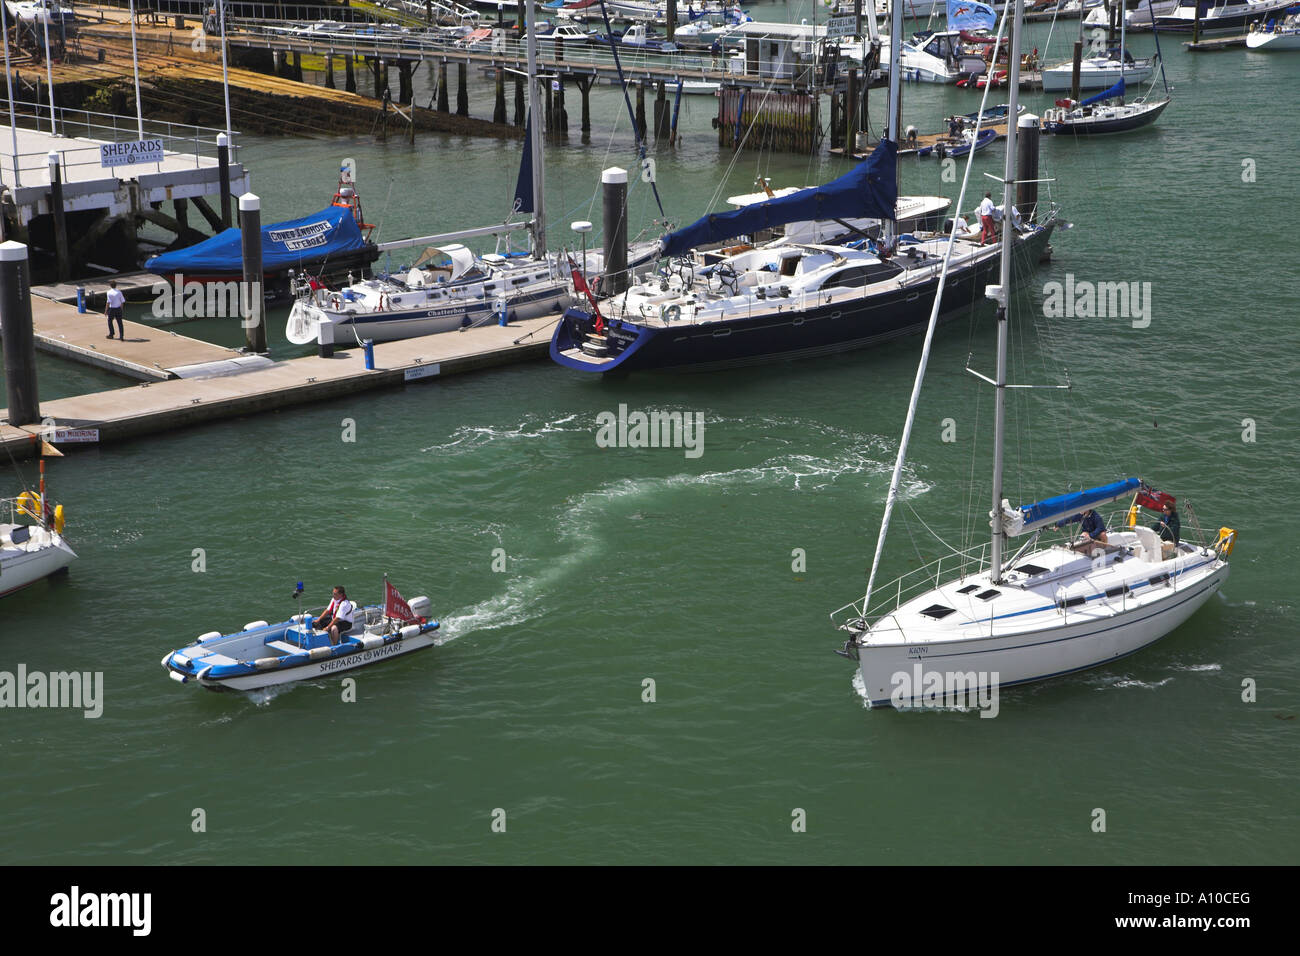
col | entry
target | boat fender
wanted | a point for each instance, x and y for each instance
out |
(58, 519)
(202, 675)
(266, 663)
(371, 640)
(410, 631)
(254, 624)
(207, 637)
(317, 653)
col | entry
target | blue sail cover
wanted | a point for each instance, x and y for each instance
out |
(1042, 513)
(1110, 94)
(870, 189)
(331, 232)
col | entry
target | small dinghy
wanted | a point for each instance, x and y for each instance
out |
(263, 654)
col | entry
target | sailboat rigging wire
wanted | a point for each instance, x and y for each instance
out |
(892, 497)
(1159, 55)
(640, 144)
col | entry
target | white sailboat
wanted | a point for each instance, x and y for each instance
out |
(1045, 610)
(32, 545)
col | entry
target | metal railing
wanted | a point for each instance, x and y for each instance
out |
(500, 49)
(908, 585)
(178, 138)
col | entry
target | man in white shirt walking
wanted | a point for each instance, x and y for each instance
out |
(114, 311)
(337, 618)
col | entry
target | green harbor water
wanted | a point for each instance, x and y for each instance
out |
(624, 566)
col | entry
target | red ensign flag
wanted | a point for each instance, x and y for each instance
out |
(396, 607)
(580, 284)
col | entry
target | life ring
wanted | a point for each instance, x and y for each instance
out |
(672, 313)
(58, 519)
(29, 505)
(336, 302)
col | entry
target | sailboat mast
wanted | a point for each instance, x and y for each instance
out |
(1004, 295)
(535, 121)
(895, 130)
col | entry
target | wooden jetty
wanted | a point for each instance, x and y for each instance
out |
(1212, 44)
(135, 286)
(163, 406)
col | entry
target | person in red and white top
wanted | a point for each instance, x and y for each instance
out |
(337, 618)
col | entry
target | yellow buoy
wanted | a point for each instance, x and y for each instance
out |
(1133, 516)
(58, 519)
(1227, 538)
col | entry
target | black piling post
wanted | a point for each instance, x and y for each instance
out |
(19, 341)
(519, 100)
(223, 169)
(63, 266)
(561, 114)
(349, 74)
(1027, 136)
(640, 108)
(329, 71)
(614, 207)
(252, 304)
(462, 89)
(297, 66)
(443, 106)
(851, 113)
(672, 18)
(1074, 76)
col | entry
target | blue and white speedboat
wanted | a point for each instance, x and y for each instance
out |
(262, 655)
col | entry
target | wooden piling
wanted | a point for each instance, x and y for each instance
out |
(329, 71)
(851, 112)
(519, 100)
(443, 106)
(405, 92)
(499, 109)
(640, 108)
(349, 75)
(661, 111)
(462, 90)
(584, 88)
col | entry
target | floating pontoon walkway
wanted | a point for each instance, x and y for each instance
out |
(157, 407)
(148, 354)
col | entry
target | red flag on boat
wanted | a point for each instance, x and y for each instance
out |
(1154, 499)
(396, 607)
(580, 284)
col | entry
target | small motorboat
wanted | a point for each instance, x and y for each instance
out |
(33, 549)
(960, 144)
(262, 655)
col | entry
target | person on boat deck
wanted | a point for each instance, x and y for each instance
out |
(1092, 530)
(1169, 527)
(988, 230)
(337, 618)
